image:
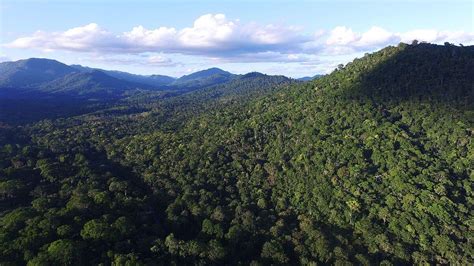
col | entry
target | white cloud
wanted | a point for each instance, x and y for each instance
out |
(208, 31)
(220, 39)
(342, 36)
(376, 36)
(434, 36)
(261, 57)
(421, 35)
(159, 60)
(152, 60)
(210, 34)
(149, 38)
(343, 40)
(88, 37)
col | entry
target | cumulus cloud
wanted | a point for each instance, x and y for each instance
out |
(210, 34)
(343, 40)
(152, 60)
(376, 36)
(261, 57)
(434, 36)
(85, 38)
(208, 31)
(341, 36)
(143, 39)
(159, 60)
(229, 40)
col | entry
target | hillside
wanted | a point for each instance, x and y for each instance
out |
(203, 74)
(150, 80)
(31, 72)
(37, 76)
(371, 164)
(203, 78)
(94, 83)
(46, 88)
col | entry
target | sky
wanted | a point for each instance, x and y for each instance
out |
(292, 38)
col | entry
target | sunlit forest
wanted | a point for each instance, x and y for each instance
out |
(372, 164)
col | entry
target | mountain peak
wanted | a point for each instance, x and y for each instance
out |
(204, 74)
(417, 72)
(253, 74)
(38, 60)
(33, 71)
(308, 78)
(94, 82)
(216, 69)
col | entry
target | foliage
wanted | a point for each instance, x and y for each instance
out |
(372, 164)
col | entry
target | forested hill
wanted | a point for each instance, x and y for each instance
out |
(372, 164)
(31, 72)
(424, 71)
(36, 89)
(93, 84)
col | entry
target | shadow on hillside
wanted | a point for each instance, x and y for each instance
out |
(23, 106)
(421, 74)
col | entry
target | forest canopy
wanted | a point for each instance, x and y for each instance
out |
(371, 164)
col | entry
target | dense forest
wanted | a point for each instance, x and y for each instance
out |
(371, 164)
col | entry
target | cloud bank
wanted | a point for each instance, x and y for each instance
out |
(210, 35)
(218, 38)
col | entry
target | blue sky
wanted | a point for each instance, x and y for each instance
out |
(294, 38)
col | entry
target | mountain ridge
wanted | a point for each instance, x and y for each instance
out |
(151, 80)
(45, 73)
(31, 72)
(94, 83)
(51, 76)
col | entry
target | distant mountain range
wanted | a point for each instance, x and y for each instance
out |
(310, 78)
(53, 77)
(95, 83)
(50, 76)
(152, 80)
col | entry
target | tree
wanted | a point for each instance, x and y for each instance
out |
(65, 252)
(97, 230)
(274, 251)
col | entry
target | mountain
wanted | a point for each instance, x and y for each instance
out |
(72, 94)
(310, 78)
(253, 75)
(204, 74)
(150, 80)
(96, 83)
(53, 76)
(31, 72)
(189, 82)
(203, 78)
(369, 165)
(157, 80)
(239, 90)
